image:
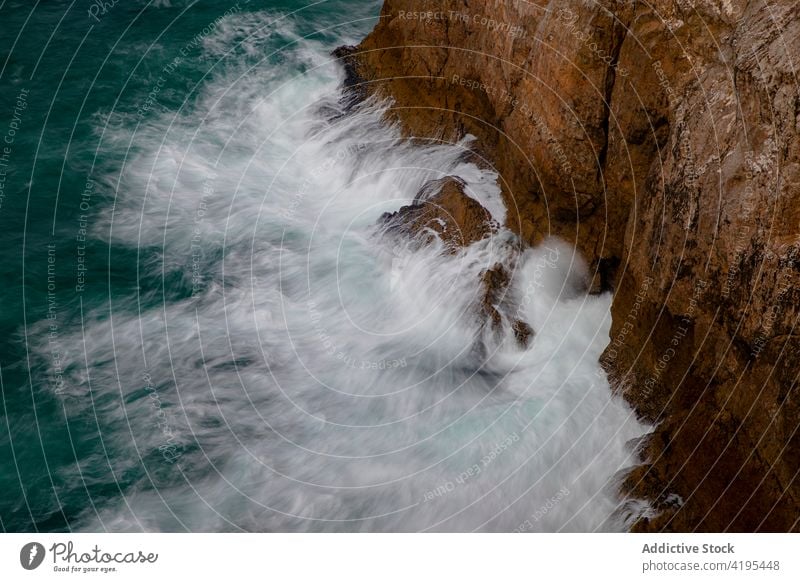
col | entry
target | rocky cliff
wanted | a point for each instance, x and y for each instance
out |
(661, 138)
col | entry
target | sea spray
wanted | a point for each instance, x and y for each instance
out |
(304, 381)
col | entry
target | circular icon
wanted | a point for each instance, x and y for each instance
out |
(31, 555)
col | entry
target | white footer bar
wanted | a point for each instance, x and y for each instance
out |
(399, 557)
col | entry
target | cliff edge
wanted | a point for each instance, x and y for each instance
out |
(661, 139)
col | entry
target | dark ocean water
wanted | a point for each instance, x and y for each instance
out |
(203, 329)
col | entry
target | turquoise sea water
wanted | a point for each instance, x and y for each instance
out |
(204, 328)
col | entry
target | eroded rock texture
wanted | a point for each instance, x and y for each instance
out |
(662, 139)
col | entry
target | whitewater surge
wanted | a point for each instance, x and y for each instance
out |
(296, 370)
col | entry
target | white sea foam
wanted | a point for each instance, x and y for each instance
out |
(322, 376)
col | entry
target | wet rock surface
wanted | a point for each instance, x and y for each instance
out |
(443, 211)
(498, 299)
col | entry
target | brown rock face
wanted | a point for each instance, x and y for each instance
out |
(521, 78)
(663, 140)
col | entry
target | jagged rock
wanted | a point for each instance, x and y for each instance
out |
(498, 288)
(442, 209)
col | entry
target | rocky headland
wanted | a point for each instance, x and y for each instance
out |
(662, 139)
